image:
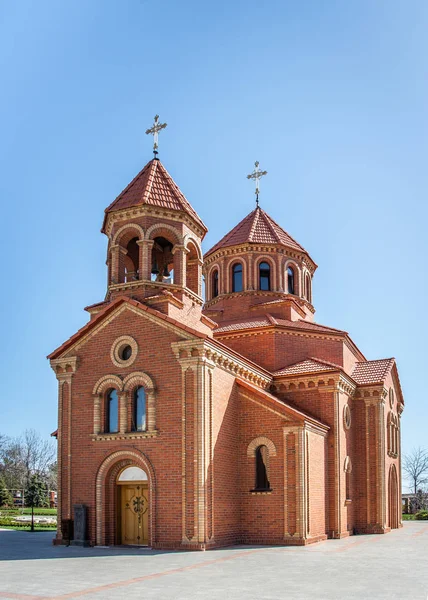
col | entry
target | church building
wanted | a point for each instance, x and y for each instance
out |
(192, 423)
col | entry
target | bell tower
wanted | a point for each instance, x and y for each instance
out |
(154, 243)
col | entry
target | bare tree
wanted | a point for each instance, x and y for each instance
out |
(4, 442)
(37, 454)
(22, 457)
(415, 465)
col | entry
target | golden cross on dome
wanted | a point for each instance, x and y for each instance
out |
(256, 175)
(154, 131)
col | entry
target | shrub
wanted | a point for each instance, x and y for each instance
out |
(422, 515)
(9, 522)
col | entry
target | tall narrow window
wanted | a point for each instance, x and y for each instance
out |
(112, 412)
(139, 416)
(237, 277)
(290, 280)
(215, 284)
(264, 276)
(262, 469)
(308, 288)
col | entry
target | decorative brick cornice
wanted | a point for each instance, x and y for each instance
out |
(128, 214)
(328, 380)
(275, 295)
(371, 394)
(258, 248)
(141, 284)
(64, 367)
(192, 352)
(134, 435)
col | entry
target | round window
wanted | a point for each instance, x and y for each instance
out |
(125, 352)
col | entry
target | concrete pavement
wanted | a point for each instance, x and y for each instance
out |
(376, 566)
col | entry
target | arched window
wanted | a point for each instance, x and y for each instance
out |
(308, 288)
(112, 412)
(215, 284)
(348, 470)
(290, 280)
(262, 468)
(139, 410)
(237, 277)
(390, 433)
(264, 276)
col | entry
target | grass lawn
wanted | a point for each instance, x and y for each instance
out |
(408, 517)
(9, 512)
(28, 528)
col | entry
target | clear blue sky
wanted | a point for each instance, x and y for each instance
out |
(330, 97)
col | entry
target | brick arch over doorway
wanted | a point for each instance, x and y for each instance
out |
(106, 494)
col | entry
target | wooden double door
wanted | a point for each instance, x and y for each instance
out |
(133, 514)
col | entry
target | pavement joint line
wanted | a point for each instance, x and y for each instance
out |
(124, 583)
(421, 532)
(344, 545)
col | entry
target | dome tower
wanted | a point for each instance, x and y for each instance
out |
(258, 268)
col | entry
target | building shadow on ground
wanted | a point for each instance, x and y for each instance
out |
(24, 545)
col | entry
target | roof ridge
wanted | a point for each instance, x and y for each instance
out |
(128, 187)
(271, 319)
(311, 359)
(255, 223)
(235, 229)
(286, 232)
(362, 362)
(267, 220)
(323, 326)
(151, 179)
(325, 362)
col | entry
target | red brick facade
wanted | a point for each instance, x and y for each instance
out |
(258, 426)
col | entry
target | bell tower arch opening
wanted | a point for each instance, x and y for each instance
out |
(162, 260)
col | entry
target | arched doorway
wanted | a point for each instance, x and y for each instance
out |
(133, 507)
(393, 498)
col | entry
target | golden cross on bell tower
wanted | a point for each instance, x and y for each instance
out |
(154, 131)
(256, 175)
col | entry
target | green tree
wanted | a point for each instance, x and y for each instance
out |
(6, 498)
(36, 495)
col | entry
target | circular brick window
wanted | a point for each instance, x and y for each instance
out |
(347, 416)
(124, 351)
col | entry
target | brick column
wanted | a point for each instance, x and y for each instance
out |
(98, 398)
(123, 411)
(197, 450)
(179, 252)
(145, 259)
(114, 269)
(295, 492)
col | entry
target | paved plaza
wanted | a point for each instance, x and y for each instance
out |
(372, 566)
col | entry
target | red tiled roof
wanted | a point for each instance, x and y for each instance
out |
(269, 320)
(372, 371)
(153, 186)
(310, 365)
(257, 228)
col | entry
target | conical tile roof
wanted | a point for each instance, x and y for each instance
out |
(257, 228)
(153, 186)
